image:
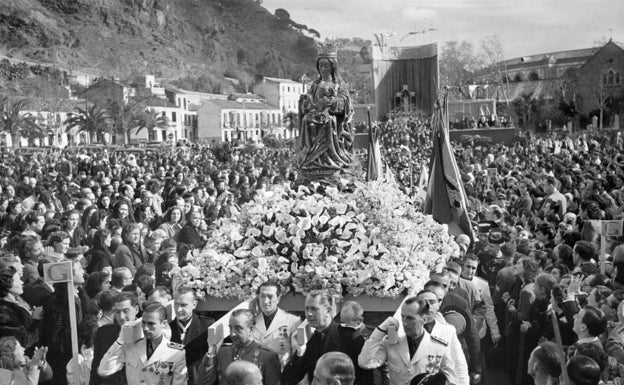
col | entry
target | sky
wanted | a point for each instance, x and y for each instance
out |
(525, 27)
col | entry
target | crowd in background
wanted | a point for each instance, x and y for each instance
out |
(536, 208)
(125, 220)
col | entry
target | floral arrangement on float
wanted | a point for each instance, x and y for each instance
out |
(369, 241)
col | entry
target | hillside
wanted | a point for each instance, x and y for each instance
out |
(168, 38)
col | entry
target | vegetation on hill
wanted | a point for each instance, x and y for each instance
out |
(167, 38)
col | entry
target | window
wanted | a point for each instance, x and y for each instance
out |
(173, 117)
(611, 78)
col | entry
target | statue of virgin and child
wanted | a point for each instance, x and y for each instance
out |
(325, 113)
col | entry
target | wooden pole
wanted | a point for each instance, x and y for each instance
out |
(71, 302)
(603, 249)
(559, 341)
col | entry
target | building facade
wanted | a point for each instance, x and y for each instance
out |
(238, 119)
(281, 93)
(600, 81)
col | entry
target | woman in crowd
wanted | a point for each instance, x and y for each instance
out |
(103, 204)
(191, 234)
(171, 224)
(121, 214)
(72, 227)
(130, 253)
(97, 282)
(32, 251)
(17, 369)
(99, 256)
(17, 318)
(58, 246)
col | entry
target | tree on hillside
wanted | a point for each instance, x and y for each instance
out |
(17, 123)
(150, 120)
(93, 120)
(458, 62)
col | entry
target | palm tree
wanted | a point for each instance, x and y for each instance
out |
(525, 106)
(94, 120)
(124, 114)
(149, 120)
(16, 123)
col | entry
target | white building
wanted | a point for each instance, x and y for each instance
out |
(281, 93)
(176, 130)
(244, 117)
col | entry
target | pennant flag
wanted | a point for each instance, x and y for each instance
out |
(375, 170)
(446, 199)
(423, 180)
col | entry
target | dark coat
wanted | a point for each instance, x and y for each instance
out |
(130, 257)
(473, 341)
(196, 338)
(56, 331)
(98, 259)
(337, 338)
(37, 293)
(16, 321)
(105, 336)
(190, 236)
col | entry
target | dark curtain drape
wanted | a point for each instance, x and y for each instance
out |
(420, 76)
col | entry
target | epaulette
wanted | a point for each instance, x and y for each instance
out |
(262, 347)
(174, 345)
(440, 340)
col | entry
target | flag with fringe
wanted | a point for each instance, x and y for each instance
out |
(446, 199)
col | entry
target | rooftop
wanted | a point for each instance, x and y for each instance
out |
(196, 93)
(579, 54)
(280, 80)
(234, 105)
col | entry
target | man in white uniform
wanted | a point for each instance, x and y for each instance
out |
(416, 353)
(150, 359)
(274, 327)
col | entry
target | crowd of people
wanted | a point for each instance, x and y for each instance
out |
(538, 209)
(125, 220)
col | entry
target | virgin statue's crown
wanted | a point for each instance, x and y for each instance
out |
(328, 49)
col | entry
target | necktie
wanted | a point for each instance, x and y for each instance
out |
(150, 349)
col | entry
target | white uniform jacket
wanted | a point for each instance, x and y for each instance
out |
(166, 366)
(433, 355)
(445, 332)
(278, 336)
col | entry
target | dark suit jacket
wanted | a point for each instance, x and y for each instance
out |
(337, 338)
(472, 339)
(36, 293)
(190, 236)
(105, 336)
(196, 338)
